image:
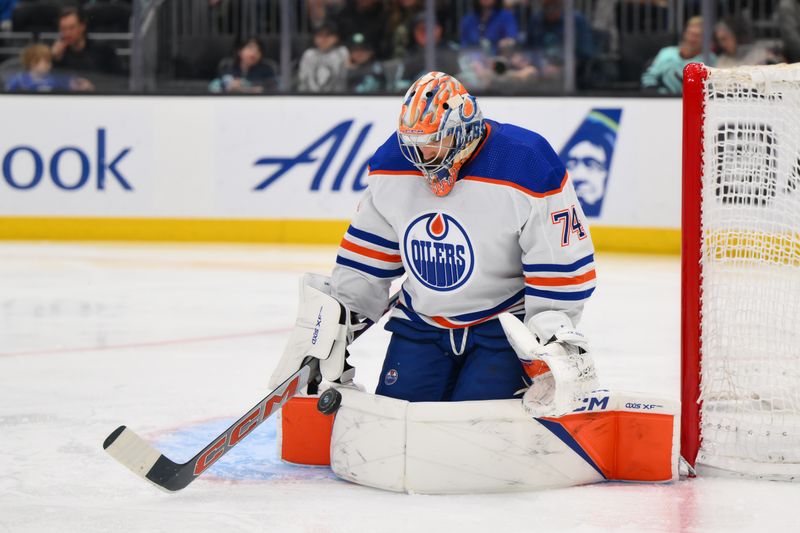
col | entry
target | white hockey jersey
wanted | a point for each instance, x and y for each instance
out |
(510, 236)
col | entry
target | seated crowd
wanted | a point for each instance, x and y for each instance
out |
(376, 46)
(71, 62)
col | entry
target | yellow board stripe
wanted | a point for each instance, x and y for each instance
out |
(606, 238)
(636, 240)
(172, 229)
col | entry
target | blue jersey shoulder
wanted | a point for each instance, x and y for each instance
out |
(388, 158)
(518, 156)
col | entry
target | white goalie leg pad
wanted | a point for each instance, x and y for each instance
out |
(368, 442)
(492, 446)
(446, 448)
(317, 332)
(486, 446)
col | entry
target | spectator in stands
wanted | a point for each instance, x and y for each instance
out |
(364, 73)
(366, 18)
(6, 9)
(546, 37)
(789, 22)
(323, 68)
(734, 46)
(488, 25)
(398, 39)
(413, 66)
(37, 60)
(73, 52)
(665, 73)
(247, 72)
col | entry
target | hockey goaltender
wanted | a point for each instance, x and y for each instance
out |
(482, 220)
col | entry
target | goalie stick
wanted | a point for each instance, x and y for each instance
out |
(142, 459)
(136, 454)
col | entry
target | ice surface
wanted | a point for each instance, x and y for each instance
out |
(176, 341)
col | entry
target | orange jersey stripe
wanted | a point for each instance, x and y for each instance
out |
(446, 323)
(520, 187)
(561, 282)
(395, 172)
(380, 256)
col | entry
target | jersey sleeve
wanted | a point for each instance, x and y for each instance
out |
(367, 262)
(557, 255)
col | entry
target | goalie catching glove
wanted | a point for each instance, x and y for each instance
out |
(556, 358)
(323, 329)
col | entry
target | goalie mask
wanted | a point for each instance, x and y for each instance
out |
(440, 127)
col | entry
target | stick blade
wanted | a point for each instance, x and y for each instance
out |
(131, 451)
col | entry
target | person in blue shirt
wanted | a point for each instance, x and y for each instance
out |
(38, 62)
(488, 25)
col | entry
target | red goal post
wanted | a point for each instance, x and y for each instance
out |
(740, 295)
(694, 78)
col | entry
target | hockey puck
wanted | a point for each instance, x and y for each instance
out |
(329, 402)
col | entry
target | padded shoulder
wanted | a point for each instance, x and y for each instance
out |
(389, 159)
(519, 158)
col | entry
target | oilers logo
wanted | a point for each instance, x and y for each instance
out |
(438, 251)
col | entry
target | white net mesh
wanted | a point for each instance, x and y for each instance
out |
(750, 304)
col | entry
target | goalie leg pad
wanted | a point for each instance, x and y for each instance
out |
(304, 434)
(493, 446)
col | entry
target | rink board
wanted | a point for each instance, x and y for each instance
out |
(292, 169)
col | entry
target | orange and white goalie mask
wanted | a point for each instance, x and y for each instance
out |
(440, 127)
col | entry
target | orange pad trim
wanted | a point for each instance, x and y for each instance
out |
(305, 433)
(624, 445)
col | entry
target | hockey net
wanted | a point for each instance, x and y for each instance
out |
(741, 270)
